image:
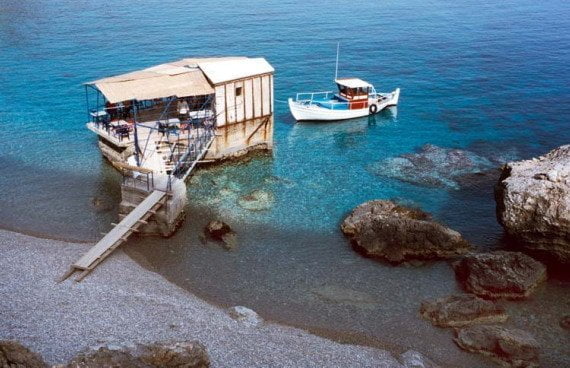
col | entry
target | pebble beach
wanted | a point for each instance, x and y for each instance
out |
(121, 304)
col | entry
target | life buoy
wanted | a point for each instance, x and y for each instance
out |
(373, 109)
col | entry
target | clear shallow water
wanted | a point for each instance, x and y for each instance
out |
(492, 78)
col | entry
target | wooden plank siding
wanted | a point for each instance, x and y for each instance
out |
(255, 101)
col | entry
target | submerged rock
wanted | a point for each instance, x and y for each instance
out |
(509, 347)
(462, 310)
(245, 316)
(500, 274)
(258, 200)
(15, 355)
(188, 354)
(99, 205)
(340, 295)
(533, 203)
(414, 359)
(565, 322)
(396, 233)
(221, 232)
(432, 166)
(217, 229)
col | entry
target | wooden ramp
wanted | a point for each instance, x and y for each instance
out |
(118, 235)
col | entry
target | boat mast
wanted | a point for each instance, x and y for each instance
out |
(336, 68)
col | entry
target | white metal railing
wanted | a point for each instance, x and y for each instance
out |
(310, 96)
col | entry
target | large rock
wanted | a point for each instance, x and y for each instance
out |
(186, 354)
(15, 355)
(462, 310)
(533, 203)
(509, 347)
(500, 274)
(432, 166)
(396, 233)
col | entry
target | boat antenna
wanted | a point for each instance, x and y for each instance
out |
(336, 68)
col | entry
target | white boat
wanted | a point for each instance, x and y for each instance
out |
(355, 98)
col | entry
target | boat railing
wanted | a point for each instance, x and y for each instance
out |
(311, 96)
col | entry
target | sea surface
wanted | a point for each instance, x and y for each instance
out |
(488, 78)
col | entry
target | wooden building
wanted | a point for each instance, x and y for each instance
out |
(168, 116)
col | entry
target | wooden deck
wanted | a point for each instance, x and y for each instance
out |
(118, 235)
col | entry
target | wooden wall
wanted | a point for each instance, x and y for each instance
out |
(255, 100)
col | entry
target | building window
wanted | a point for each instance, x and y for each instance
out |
(239, 91)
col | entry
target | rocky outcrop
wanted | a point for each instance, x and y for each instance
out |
(396, 233)
(245, 315)
(462, 310)
(15, 355)
(105, 357)
(221, 232)
(188, 354)
(533, 203)
(500, 274)
(432, 166)
(509, 347)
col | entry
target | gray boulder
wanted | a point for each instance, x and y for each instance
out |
(15, 355)
(396, 233)
(462, 310)
(533, 203)
(511, 275)
(245, 315)
(414, 359)
(509, 347)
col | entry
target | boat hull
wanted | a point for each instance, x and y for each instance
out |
(313, 112)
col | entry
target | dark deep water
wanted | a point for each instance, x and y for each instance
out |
(491, 78)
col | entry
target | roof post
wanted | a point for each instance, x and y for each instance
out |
(137, 149)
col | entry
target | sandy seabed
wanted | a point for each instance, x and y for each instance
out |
(121, 303)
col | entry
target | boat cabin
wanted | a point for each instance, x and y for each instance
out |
(355, 91)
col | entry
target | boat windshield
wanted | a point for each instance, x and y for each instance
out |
(351, 93)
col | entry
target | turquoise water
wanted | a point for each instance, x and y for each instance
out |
(490, 78)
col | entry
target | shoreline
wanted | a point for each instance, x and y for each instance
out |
(122, 302)
(348, 338)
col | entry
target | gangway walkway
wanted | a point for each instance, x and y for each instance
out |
(118, 235)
